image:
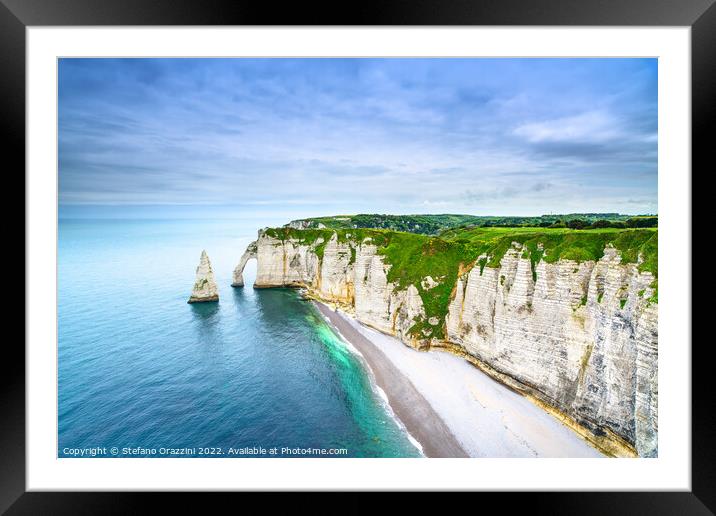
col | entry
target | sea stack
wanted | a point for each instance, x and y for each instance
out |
(205, 289)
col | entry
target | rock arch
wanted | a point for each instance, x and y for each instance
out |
(238, 279)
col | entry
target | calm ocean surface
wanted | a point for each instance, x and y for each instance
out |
(139, 367)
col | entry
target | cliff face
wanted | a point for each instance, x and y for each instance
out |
(577, 337)
(583, 336)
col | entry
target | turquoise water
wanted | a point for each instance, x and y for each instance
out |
(140, 368)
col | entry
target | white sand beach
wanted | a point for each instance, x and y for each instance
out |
(486, 418)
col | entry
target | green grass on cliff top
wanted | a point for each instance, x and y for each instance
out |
(563, 243)
(412, 257)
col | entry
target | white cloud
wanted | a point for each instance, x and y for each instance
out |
(588, 127)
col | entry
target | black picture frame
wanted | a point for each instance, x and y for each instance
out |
(16, 15)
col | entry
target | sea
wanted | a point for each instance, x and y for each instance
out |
(141, 373)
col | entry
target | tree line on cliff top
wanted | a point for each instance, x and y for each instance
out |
(430, 224)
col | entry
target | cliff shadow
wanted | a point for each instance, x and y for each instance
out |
(279, 306)
(204, 310)
(240, 295)
(205, 316)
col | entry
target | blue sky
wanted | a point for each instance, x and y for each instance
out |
(305, 137)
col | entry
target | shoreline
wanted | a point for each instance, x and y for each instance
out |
(451, 407)
(410, 407)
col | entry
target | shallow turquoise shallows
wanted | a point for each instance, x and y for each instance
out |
(140, 368)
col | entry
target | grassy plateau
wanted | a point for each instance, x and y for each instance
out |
(413, 256)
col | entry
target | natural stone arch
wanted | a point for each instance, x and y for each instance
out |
(238, 279)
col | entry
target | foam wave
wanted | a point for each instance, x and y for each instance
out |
(381, 393)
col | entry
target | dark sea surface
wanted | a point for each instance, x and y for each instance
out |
(141, 368)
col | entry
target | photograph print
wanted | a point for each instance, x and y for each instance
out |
(357, 257)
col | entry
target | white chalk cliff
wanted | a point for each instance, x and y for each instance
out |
(205, 288)
(580, 339)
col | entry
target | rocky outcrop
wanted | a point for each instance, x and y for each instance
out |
(579, 338)
(238, 276)
(205, 288)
